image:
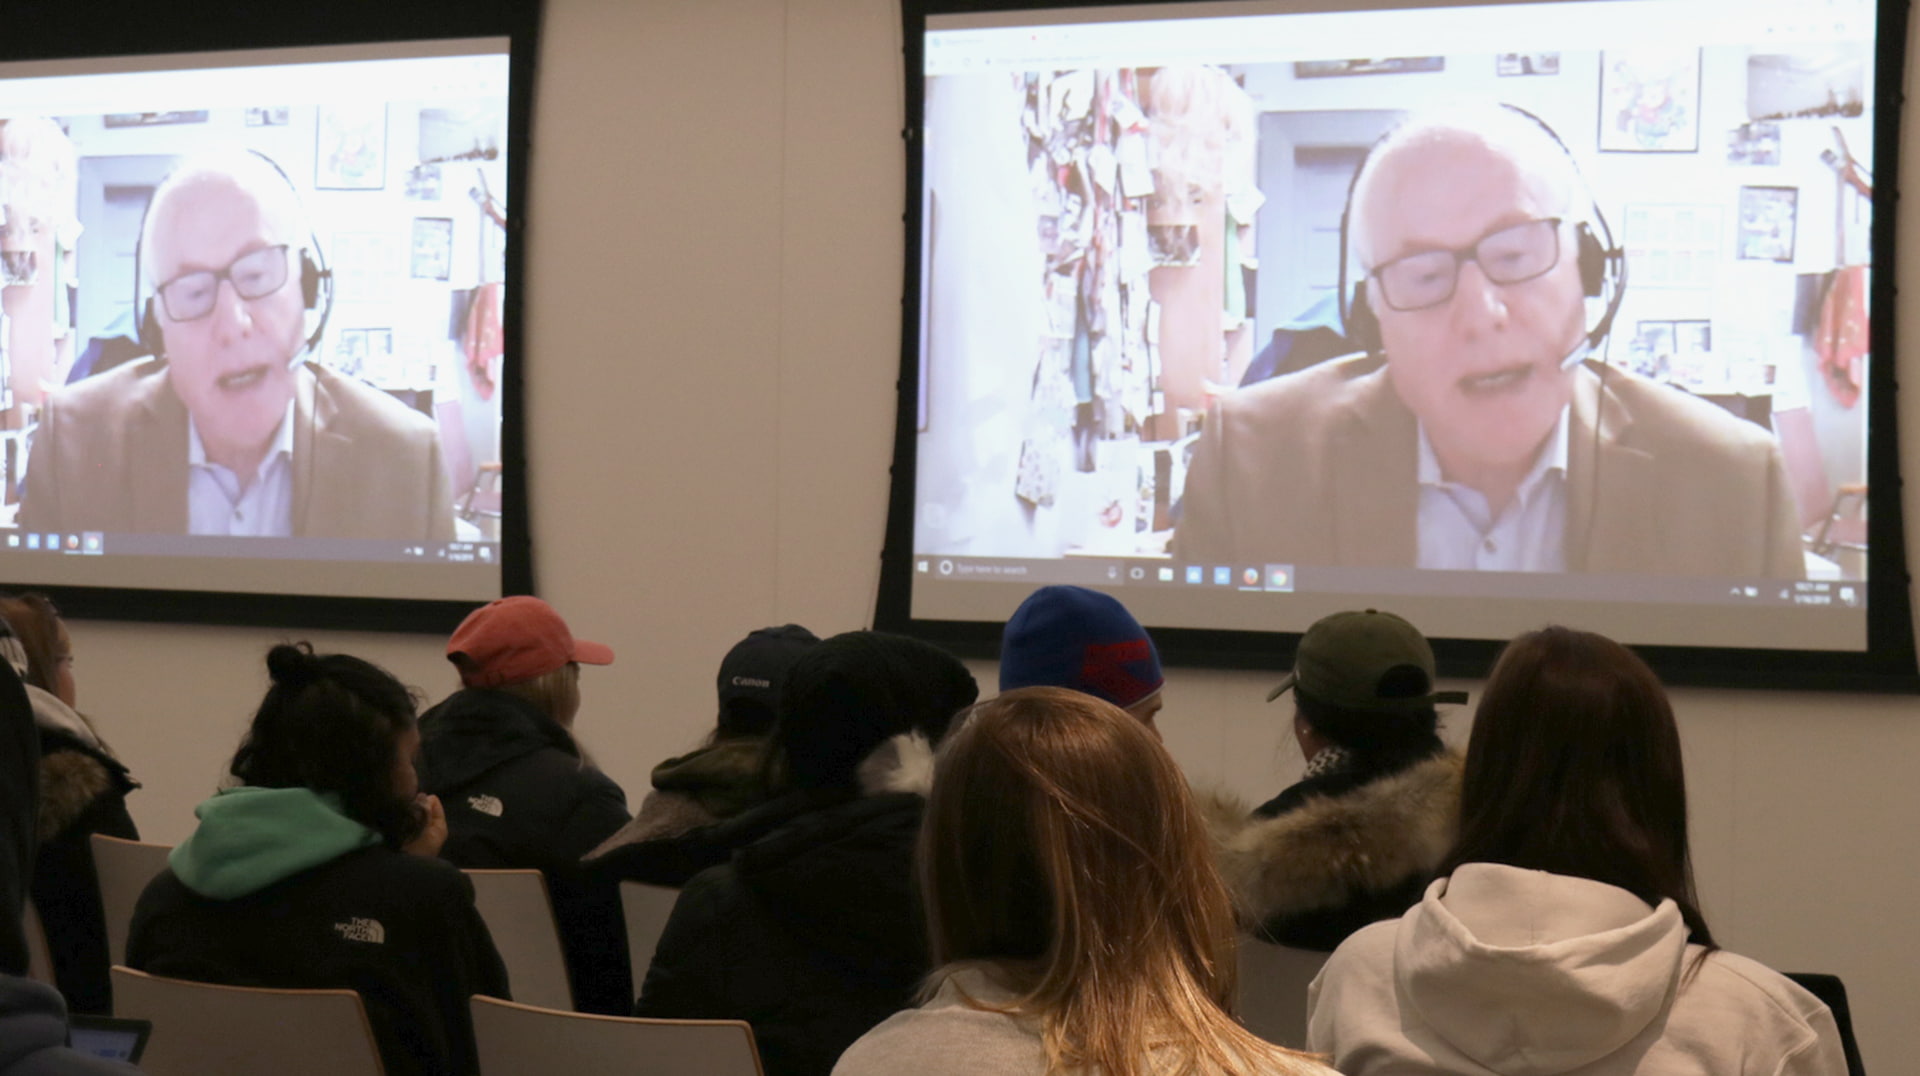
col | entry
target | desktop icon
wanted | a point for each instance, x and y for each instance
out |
(33, 541)
(1222, 576)
(93, 541)
(73, 543)
(1196, 574)
(1250, 577)
(13, 541)
(1280, 577)
(1166, 575)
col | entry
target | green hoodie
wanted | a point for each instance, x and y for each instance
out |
(250, 838)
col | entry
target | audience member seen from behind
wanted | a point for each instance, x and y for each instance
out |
(83, 791)
(1077, 919)
(812, 932)
(319, 868)
(1568, 907)
(519, 791)
(33, 1020)
(1085, 641)
(725, 776)
(1361, 834)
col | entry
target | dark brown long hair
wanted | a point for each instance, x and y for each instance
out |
(1574, 767)
(36, 623)
(1061, 847)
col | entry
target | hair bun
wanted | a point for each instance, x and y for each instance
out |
(292, 665)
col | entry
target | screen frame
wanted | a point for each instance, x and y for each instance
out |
(1887, 664)
(49, 30)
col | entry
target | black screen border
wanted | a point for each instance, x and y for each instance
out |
(1888, 664)
(56, 30)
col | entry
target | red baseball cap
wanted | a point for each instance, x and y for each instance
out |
(514, 639)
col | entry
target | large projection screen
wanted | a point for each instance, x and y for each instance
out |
(1602, 336)
(259, 346)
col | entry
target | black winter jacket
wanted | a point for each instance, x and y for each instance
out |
(518, 796)
(400, 929)
(812, 934)
(83, 791)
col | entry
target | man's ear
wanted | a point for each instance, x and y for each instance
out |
(152, 340)
(1363, 329)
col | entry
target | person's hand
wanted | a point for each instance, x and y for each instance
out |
(434, 833)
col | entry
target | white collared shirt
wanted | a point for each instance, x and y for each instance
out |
(1458, 531)
(216, 503)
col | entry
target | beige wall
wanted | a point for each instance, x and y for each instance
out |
(712, 340)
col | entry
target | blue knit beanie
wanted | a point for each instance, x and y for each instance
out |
(1082, 639)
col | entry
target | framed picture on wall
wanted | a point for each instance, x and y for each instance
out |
(1650, 100)
(432, 248)
(1766, 223)
(350, 148)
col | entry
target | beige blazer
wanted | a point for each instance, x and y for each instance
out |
(110, 454)
(1319, 468)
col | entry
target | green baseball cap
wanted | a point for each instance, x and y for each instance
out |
(1345, 660)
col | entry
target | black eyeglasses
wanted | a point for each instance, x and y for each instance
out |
(191, 296)
(1511, 255)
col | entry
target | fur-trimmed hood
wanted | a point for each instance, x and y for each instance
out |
(644, 850)
(75, 775)
(1332, 850)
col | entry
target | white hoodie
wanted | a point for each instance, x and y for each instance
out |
(1523, 973)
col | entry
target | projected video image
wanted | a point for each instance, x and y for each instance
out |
(1605, 311)
(254, 303)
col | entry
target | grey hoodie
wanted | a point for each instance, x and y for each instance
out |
(1523, 973)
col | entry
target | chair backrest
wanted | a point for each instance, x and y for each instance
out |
(1812, 493)
(124, 869)
(1833, 994)
(519, 914)
(39, 957)
(645, 908)
(1273, 990)
(513, 1039)
(201, 1028)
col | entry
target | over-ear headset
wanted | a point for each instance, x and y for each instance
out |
(1603, 265)
(316, 278)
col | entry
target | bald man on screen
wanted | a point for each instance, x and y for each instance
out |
(227, 431)
(1475, 434)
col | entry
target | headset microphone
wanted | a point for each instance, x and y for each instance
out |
(1578, 355)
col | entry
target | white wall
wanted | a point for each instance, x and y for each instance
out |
(712, 347)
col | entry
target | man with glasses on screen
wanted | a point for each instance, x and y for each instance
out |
(228, 431)
(1475, 433)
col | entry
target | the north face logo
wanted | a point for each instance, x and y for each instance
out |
(487, 805)
(362, 930)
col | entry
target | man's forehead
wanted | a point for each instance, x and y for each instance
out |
(221, 199)
(1501, 173)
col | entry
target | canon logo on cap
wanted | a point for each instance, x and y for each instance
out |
(751, 681)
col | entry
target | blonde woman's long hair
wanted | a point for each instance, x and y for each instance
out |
(1062, 849)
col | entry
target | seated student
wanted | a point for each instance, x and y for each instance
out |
(33, 1021)
(1565, 935)
(83, 791)
(1361, 834)
(1078, 923)
(319, 869)
(1086, 641)
(724, 776)
(519, 792)
(812, 933)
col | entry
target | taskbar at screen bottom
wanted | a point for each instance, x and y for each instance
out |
(1804, 614)
(223, 547)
